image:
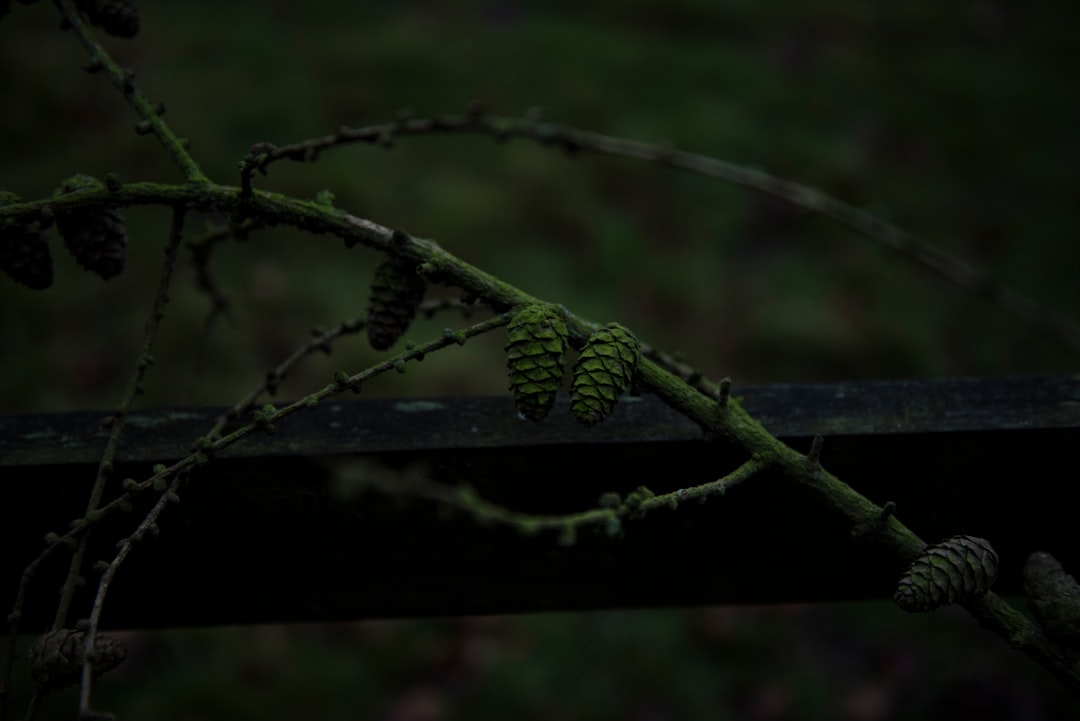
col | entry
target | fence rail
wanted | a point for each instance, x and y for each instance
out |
(270, 532)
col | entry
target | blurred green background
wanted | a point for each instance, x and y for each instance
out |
(957, 121)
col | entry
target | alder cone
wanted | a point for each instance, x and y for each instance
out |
(24, 254)
(96, 238)
(603, 372)
(396, 293)
(957, 568)
(1054, 598)
(116, 17)
(534, 357)
(56, 658)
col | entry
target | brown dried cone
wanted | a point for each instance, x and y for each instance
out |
(534, 357)
(957, 568)
(24, 254)
(116, 17)
(1054, 597)
(396, 293)
(603, 372)
(96, 238)
(56, 658)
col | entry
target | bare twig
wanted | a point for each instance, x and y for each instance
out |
(321, 342)
(1051, 324)
(80, 531)
(144, 361)
(148, 525)
(612, 508)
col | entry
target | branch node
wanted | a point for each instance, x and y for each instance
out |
(263, 418)
(814, 456)
(877, 524)
(344, 380)
(93, 65)
(725, 393)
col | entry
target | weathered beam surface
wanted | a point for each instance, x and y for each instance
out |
(265, 533)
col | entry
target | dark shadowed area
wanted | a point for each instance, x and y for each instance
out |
(957, 121)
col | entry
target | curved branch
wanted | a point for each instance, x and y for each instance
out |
(724, 418)
(1053, 325)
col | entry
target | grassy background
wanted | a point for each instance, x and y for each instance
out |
(955, 120)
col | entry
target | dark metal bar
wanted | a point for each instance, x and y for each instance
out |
(270, 531)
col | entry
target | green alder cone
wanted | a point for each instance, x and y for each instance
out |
(603, 372)
(56, 658)
(24, 254)
(96, 238)
(396, 293)
(957, 568)
(1054, 597)
(534, 357)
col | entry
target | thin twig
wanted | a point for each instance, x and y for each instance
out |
(144, 361)
(148, 525)
(608, 514)
(80, 533)
(1053, 325)
(320, 342)
(124, 80)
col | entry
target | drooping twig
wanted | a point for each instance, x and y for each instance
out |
(608, 515)
(144, 361)
(148, 525)
(80, 533)
(1051, 324)
(201, 251)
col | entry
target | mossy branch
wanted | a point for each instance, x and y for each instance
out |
(717, 419)
(608, 516)
(149, 113)
(681, 388)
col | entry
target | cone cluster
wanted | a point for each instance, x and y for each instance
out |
(116, 17)
(957, 568)
(396, 293)
(1054, 598)
(56, 658)
(97, 238)
(603, 372)
(24, 254)
(534, 357)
